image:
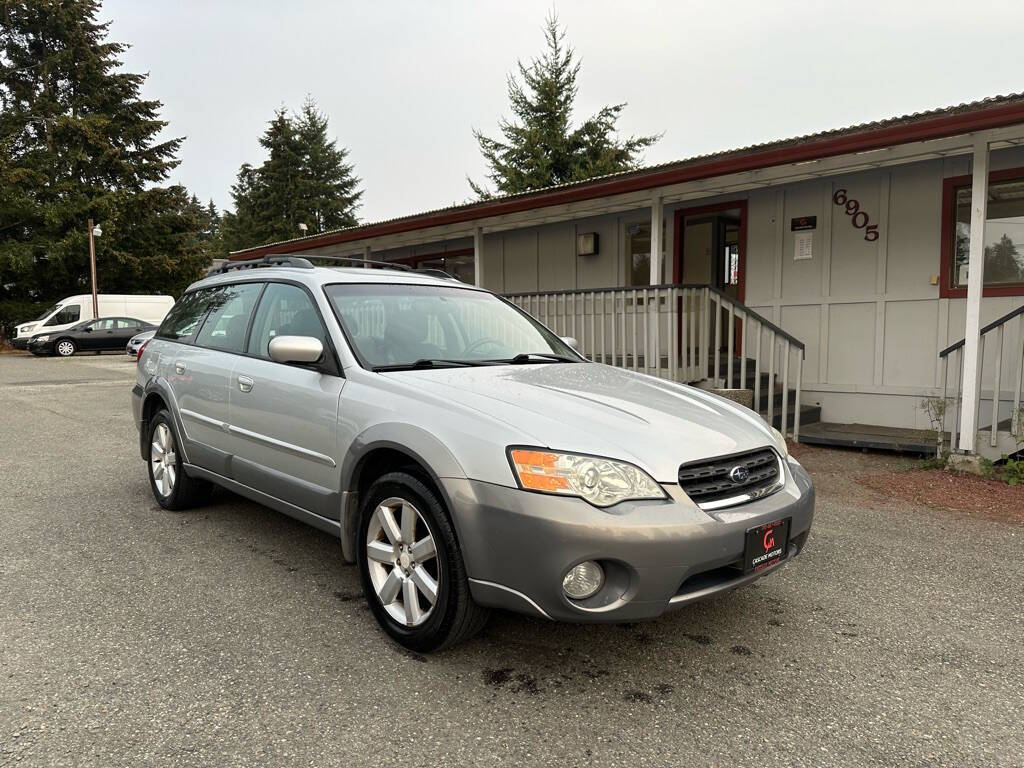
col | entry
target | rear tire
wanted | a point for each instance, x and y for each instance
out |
(407, 551)
(64, 348)
(172, 488)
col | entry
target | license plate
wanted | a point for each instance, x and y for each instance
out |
(766, 545)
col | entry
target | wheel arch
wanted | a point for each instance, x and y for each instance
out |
(389, 448)
(157, 394)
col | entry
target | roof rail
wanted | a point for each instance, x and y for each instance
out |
(275, 260)
(357, 260)
(433, 272)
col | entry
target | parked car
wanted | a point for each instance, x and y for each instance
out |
(76, 309)
(466, 456)
(136, 342)
(101, 335)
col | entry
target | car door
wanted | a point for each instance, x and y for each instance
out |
(92, 336)
(199, 371)
(124, 329)
(284, 417)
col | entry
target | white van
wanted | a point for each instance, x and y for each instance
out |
(74, 309)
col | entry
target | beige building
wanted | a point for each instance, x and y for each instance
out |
(830, 270)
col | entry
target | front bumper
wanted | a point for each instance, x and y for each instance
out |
(657, 555)
(20, 342)
(40, 347)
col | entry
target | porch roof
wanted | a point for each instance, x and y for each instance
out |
(988, 113)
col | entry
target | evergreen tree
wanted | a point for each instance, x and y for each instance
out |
(541, 148)
(78, 142)
(1002, 262)
(328, 188)
(305, 179)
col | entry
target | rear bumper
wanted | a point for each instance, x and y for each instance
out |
(657, 555)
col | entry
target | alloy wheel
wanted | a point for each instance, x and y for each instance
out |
(163, 460)
(402, 561)
(65, 349)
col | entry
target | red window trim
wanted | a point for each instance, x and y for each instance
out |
(949, 187)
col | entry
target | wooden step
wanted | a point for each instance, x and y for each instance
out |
(870, 436)
(809, 414)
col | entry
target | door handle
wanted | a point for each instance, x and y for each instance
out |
(179, 367)
(245, 383)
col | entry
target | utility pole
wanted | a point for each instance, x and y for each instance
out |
(92, 268)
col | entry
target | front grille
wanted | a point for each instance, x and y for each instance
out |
(713, 481)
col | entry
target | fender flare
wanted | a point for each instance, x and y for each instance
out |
(159, 386)
(418, 444)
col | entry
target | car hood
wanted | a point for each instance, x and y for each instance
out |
(597, 409)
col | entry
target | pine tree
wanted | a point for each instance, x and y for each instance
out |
(540, 148)
(78, 142)
(1002, 262)
(328, 188)
(305, 179)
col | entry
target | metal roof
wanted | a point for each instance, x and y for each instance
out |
(606, 184)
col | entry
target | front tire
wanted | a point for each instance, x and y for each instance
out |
(64, 348)
(411, 567)
(172, 488)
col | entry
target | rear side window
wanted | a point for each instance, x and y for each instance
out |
(183, 319)
(285, 310)
(228, 319)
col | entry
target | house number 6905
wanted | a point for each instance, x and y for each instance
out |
(858, 218)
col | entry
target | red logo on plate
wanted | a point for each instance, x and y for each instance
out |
(769, 540)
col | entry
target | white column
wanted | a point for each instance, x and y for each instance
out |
(478, 255)
(975, 288)
(367, 254)
(657, 217)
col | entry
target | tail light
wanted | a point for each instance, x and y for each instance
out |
(138, 355)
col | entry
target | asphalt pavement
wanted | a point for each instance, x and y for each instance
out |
(233, 635)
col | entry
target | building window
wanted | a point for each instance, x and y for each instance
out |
(1004, 234)
(638, 253)
(459, 264)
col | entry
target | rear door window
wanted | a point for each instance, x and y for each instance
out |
(183, 319)
(230, 307)
(285, 310)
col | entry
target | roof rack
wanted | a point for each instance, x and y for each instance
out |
(275, 260)
(357, 260)
(433, 272)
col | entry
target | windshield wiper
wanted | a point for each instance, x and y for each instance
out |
(431, 362)
(545, 357)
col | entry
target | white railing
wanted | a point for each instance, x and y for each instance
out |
(1001, 372)
(678, 332)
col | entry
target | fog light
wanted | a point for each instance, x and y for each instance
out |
(583, 581)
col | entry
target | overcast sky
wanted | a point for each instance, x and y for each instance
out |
(404, 83)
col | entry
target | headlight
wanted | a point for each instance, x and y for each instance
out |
(602, 482)
(780, 442)
(41, 338)
(27, 328)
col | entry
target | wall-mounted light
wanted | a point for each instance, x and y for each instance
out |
(586, 244)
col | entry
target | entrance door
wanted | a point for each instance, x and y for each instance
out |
(710, 250)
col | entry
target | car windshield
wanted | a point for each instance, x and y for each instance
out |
(49, 311)
(426, 326)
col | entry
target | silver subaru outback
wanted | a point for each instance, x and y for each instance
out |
(466, 456)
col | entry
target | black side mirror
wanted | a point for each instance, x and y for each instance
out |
(88, 329)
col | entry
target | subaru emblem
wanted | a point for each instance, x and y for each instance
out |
(739, 475)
